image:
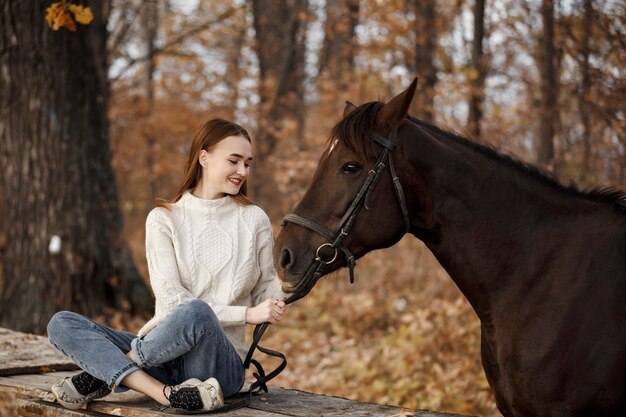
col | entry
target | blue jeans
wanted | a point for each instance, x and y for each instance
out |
(188, 343)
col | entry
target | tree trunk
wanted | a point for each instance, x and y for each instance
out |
(548, 116)
(336, 64)
(150, 17)
(477, 73)
(585, 88)
(425, 48)
(280, 27)
(61, 206)
(233, 75)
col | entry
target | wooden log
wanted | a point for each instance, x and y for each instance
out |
(8, 404)
(37, 408)
(39, 383)
(23, 357)
(279, 402)
(22, 353)
(305, 404)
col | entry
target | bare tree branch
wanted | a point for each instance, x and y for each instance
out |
(177, 40)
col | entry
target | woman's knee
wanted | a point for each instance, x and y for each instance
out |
(199, 310)
(59, 325)
(199, 313)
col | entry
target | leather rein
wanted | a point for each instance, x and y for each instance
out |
(335, 242)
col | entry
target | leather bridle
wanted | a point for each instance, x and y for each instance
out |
(335, 238)
(335, 241)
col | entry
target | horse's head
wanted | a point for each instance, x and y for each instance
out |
(337, 199)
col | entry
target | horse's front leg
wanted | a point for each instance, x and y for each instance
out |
(492, 372)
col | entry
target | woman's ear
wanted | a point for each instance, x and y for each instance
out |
(204, 155)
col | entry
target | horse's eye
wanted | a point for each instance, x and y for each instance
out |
(351, 168)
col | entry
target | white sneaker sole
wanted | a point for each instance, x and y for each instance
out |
(71, 406)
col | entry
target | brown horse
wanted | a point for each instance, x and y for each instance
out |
(542, 264)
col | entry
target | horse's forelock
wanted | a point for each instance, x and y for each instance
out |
(352, 131)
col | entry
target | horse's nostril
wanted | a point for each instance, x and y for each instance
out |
(285, 258)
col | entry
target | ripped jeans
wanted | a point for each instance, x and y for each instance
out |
(188, 343)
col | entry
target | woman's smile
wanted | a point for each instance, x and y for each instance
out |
(236, 181)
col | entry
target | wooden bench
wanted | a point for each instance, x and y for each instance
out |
(29, 365)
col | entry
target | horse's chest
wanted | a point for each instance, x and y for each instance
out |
(521, 373)
(534, 370)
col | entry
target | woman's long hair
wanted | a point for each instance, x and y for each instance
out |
(209, 134)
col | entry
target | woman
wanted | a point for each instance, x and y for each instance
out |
(209, 255)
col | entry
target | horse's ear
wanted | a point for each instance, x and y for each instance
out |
(348, 109)
(392, 113)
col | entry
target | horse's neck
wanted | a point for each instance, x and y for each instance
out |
(487, 216)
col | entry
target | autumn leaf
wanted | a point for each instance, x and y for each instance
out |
(82, 14)
(58, 15)
(67, 21)
(61, 19)
(52, 12)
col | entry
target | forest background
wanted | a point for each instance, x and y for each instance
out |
(95, 124)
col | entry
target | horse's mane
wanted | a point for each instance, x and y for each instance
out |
(598, 194)
(352, 129)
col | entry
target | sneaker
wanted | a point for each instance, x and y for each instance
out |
(76, 391)
(196, 396)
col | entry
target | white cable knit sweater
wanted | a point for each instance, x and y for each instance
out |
(217, 251)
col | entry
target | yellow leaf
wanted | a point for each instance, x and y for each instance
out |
(51, 13)
(58, 20)
(82, 14)
(70, 24)
(57, 16)
(64, 19)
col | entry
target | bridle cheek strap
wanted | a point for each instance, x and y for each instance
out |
(400, 195)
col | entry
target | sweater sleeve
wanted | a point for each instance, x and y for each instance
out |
(268, 285)
(162, 267)
(229, 316)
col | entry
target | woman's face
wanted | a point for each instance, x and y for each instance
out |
(226, 166)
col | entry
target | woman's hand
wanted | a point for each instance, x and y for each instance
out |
(269, 310)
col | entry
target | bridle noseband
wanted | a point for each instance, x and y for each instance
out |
(335, 238)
